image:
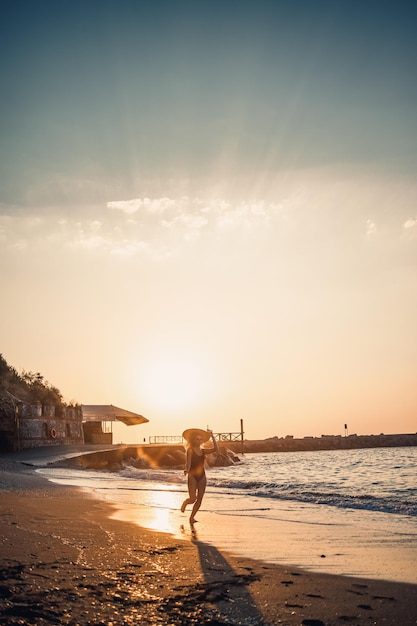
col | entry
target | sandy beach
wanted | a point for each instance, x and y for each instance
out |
(66, 560)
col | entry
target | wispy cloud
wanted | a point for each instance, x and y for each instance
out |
(412, 223)
(127, 206)
(162, 226)
(153, 205)
(370, 227)
(195, 215)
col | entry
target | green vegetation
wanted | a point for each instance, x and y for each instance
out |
(27, 387)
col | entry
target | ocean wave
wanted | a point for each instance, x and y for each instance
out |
(153, 475)
(292, 492)
(343, 487)
(298, 493)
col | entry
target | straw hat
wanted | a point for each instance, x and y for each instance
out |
(190, 433)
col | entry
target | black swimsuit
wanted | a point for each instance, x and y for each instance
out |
(197, 465)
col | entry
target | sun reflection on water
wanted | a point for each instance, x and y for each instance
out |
(159, 512)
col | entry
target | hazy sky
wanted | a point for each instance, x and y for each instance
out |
(208, 210)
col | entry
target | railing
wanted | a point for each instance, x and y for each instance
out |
(166, 439)
(228, 436)
(179, 439)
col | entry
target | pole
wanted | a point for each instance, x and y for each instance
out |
(241, 434)
(17, 427)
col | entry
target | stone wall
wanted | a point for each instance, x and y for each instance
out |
(144, 456)
(7, 426)
(33, 426)
(325, 442)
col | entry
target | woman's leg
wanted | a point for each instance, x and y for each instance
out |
(201, 488)
(192, 492)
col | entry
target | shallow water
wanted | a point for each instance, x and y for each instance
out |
(350, 512)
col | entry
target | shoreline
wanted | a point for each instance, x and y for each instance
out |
(64, 557)
(297, 540)
(316, 537)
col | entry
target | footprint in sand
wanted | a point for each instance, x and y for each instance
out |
(357, 587)
(294, 606)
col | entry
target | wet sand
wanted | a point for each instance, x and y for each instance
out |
(318, 539)
(64, 560)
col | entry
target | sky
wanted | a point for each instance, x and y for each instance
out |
(208, 210)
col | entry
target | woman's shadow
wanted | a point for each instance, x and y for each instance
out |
(225, 588)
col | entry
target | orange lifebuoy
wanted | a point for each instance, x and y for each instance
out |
(53, 433)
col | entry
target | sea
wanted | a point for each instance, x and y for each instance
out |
(348, 512)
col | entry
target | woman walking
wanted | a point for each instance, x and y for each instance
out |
(194, 467)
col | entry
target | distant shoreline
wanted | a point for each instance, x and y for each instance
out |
(172, 454)
(325, 442)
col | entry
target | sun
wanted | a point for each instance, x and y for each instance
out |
(174, 382)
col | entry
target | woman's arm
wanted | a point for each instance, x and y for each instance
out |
(215, 447)
(187, 461)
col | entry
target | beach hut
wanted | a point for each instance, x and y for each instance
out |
(98, 419)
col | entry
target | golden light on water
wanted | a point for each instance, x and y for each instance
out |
(159, 511)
